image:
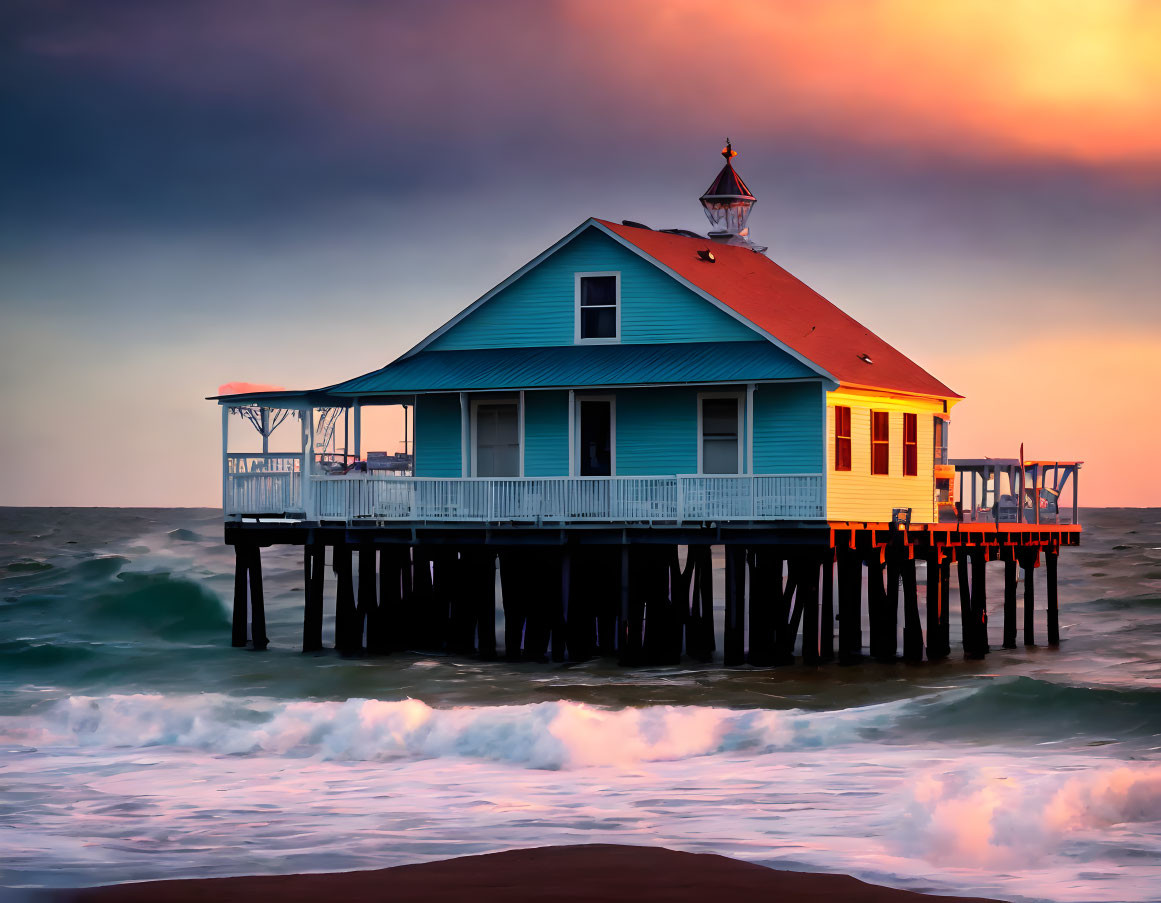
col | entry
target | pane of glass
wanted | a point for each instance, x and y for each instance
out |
(719, 417)
(719, 455)
(599, 323)
(596, 457)
(598, 290)
(879, 455)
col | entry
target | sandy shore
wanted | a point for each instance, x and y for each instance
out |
(624, 874)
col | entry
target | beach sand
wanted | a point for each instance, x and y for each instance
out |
(625, 874)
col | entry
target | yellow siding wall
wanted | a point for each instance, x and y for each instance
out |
(857, 494)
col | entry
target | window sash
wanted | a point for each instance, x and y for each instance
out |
(910, 445)
(880, 443)
(842, 438)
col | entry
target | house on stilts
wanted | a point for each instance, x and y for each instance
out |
(596, 423)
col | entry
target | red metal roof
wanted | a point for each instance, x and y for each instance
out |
(754, 286)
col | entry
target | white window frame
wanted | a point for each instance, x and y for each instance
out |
(576, 306)
(580, 399)
(743, 429)
(517, 400)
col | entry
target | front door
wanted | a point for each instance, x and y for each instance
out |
(497, 439)
(720, 446)
(596, 437)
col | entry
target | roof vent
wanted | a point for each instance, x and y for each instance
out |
(635, 225)
(866, 359)
(707, 255)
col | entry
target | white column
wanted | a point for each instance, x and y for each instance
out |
(225, 456)
(750, 428)
(308, 461)
(572, 464)
(358, 430)
(465, 436)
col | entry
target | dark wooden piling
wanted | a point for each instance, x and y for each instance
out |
(808, 592)
(367, 600)
(981, 644)
(1028, 562)
(767, 606)
(735, 615)
(882, 606)
(701, 640)
(966, 622)
(313, 565)
(478, 567)
(1009, 599)
(345, 612)
(850, 589)
(257, 602)
(938, 579)
(512, 591)
(1050, 559)
(912, 625)
(460, 586)
(789, 610)
(241, 574)
(663, 622)
(826, 609)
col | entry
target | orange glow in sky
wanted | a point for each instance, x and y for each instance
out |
(1077, 79)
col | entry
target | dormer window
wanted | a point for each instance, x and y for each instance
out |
(598, 308)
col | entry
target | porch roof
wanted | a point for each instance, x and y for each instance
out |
(577, 366)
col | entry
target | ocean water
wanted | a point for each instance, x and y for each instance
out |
(136, 744)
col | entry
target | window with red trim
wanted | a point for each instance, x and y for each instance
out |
(880, 442)
(842, 438)
(910, 445)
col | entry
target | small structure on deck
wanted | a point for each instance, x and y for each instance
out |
(628, 393)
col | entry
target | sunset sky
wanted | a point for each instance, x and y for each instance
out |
(294, 193)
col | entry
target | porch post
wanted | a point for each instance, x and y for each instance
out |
(465, 428)
(358, 409)
(225, 457)
(308, 461)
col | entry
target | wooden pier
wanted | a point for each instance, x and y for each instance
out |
(644, 595)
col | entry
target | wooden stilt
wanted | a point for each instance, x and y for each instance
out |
(623, 653)
(513, 597)
(981, 645)
(767, 609)
(366, 611)
(912, 626)
(792, 604)
(1009, 599)
(1029, 562)
(313, 562)
(937, 647)
(850, 606)
(681, 589)
(483, 575)
(1050, 559)
(966, 618)
(945, 606)
(882, 626)
(241, 573)
(344, 600)
(257, 602)
(808, 592)
(735, 633)
(556, 597)
(826, 611)
(386, 634)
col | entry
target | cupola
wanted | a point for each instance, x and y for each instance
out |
(727, 204)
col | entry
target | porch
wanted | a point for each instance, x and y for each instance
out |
(272, 486)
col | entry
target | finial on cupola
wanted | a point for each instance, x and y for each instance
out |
(727, 204)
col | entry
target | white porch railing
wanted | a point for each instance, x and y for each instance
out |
(381, 497)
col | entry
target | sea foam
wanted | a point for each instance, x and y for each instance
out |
(549, 735)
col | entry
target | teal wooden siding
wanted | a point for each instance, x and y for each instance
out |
(437, 436)
(546, 434)
(656, 431)
(538, 309)
(788, 428)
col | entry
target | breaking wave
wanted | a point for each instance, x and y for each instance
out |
(551, 735)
